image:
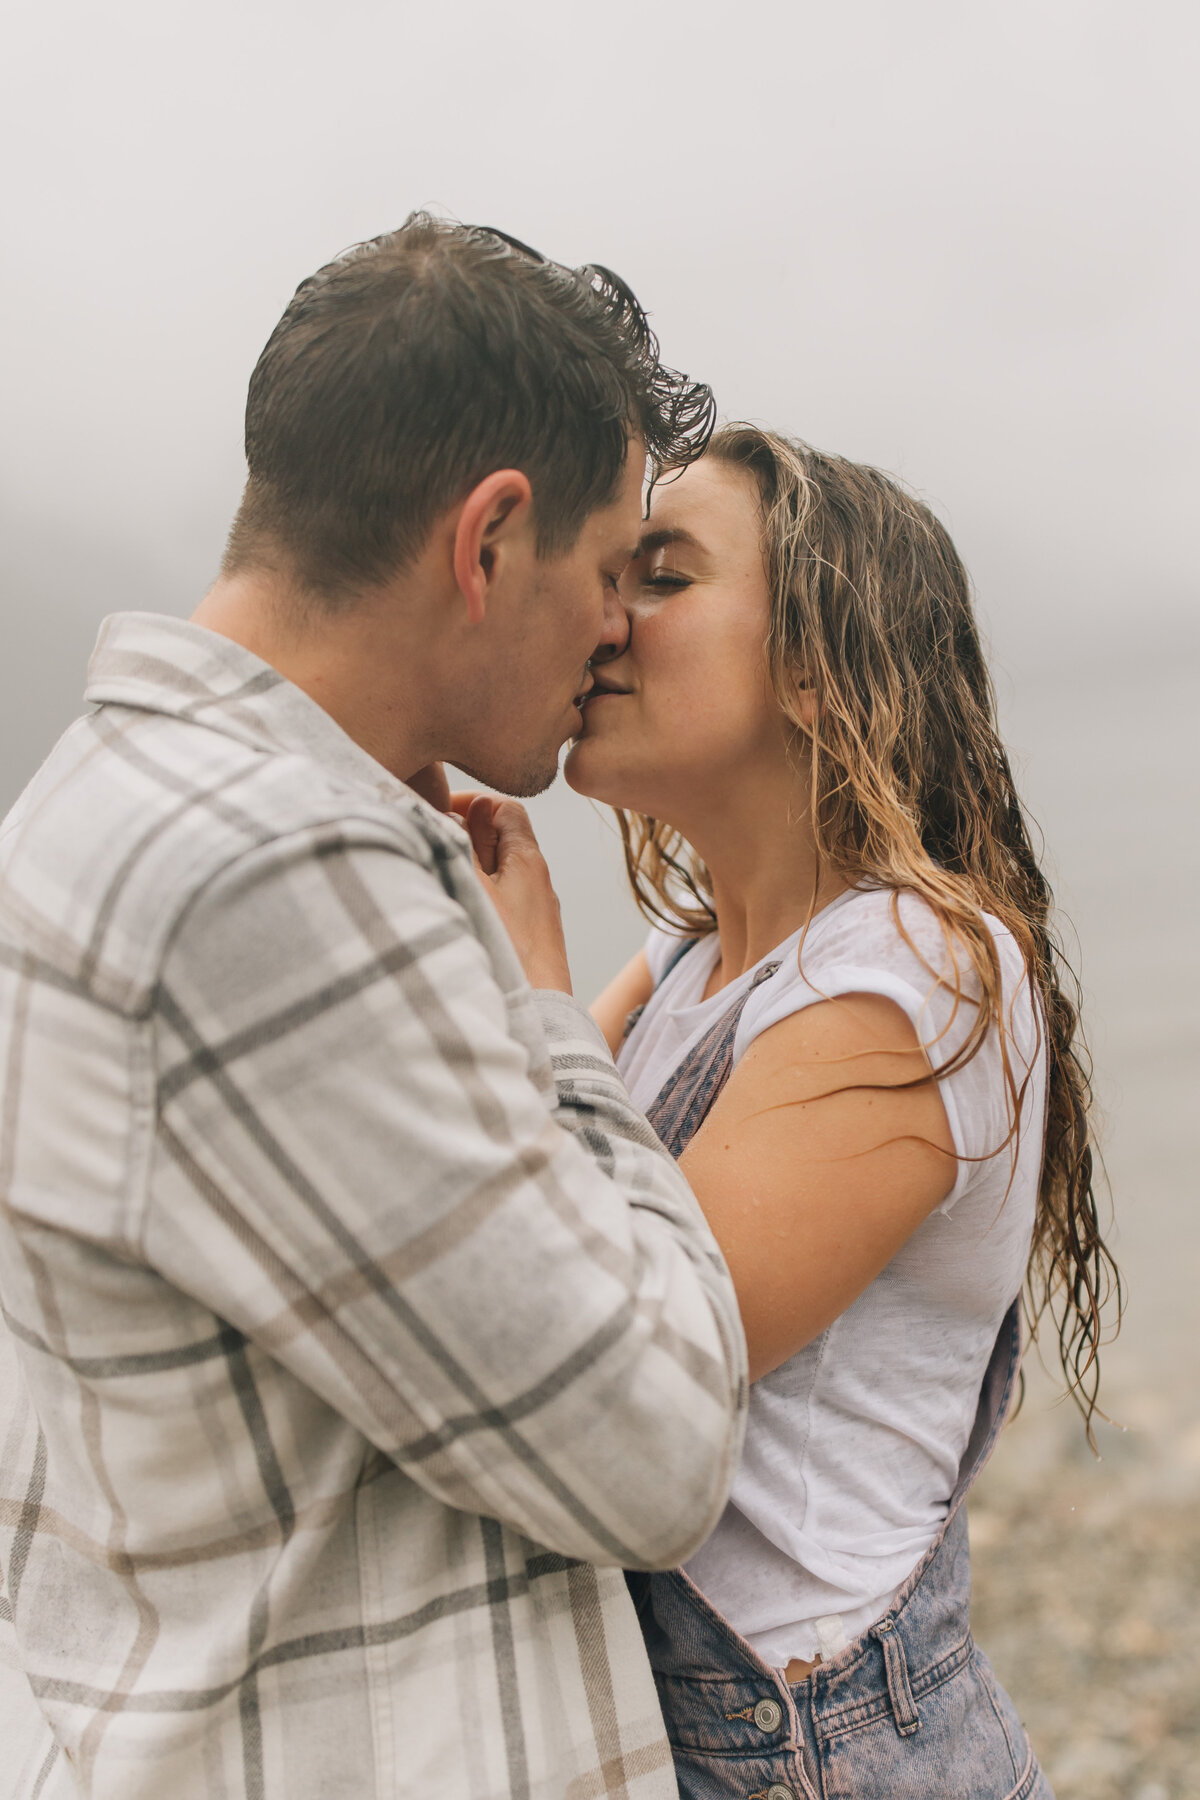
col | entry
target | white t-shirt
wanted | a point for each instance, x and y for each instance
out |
(853, 1446)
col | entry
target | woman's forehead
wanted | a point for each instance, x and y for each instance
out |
(713, 503)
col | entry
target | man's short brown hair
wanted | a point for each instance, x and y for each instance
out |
(414, 365)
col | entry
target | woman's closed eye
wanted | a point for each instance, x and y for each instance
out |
(657, 579)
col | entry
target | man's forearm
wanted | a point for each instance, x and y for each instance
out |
(525, 1311)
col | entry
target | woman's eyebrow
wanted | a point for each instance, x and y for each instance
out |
(658, 540)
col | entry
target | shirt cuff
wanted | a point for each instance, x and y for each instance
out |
(566, 1021)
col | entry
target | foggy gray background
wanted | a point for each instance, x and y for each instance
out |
(958, 240)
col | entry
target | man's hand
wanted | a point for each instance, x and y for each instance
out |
(513, 870)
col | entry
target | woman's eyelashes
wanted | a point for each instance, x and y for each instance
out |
(666, 581)
(653, 580)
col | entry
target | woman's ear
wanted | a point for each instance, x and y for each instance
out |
(804, 700)
(493, 515)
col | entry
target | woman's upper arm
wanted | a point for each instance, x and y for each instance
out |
(815, 1165)
(632, 987)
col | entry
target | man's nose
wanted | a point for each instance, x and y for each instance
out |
(614, 640)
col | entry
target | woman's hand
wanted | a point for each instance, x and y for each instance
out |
(430, 782)
(513, 870)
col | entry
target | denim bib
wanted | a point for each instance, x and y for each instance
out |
(910, 1710)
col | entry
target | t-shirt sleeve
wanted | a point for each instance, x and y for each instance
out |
(907, 960)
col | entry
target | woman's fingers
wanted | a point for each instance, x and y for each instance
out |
(512, 868)
(479, 819)
(430, 782)
(515, 836)
(460, 801)
(500, 831)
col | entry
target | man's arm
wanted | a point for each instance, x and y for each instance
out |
(521, 1306)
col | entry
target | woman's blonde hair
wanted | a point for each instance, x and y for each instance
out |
(911, 790)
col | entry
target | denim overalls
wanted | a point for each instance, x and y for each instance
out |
(911, 1709)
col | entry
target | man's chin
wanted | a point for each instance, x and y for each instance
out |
(520, 781)
(531, 783)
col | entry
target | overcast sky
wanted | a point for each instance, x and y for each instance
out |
(954, 238)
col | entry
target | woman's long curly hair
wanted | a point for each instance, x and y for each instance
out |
(911, 789)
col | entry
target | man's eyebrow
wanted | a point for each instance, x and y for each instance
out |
(658, 540)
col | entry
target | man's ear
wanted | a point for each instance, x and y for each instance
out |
(495, 512)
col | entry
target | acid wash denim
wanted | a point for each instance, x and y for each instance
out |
(911, 1709)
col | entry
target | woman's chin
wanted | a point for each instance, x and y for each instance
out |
(577, 767)
(584, 770)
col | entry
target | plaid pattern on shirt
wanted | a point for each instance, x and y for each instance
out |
(359, 1330)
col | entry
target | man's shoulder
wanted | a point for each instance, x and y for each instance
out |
(134, 813)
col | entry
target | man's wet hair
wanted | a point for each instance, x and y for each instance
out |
(412, 366)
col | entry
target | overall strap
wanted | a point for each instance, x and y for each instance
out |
(996, 1395)
(676, 957)
(997, 1391)
(681, 1107)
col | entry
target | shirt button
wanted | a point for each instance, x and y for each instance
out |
(768, 1716)
(777, 1791)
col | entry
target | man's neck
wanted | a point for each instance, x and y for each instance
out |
(350, 660)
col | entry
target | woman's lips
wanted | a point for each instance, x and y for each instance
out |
(603, 693)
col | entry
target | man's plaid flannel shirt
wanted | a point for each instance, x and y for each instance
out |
(355, 1339)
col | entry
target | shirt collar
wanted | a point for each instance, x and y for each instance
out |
(156, 663)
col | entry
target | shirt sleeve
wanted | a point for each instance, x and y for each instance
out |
(507, 1286)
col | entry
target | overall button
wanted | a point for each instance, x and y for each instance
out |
(768, 1716)
(777, 1791)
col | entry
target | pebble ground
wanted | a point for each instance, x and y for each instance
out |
(1087, 1600)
